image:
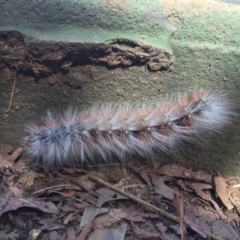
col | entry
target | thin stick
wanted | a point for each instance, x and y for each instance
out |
(52, 187)
(34, 69)
(13, 89)
(77, 199)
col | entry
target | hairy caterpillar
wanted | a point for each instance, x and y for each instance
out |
(112, 131)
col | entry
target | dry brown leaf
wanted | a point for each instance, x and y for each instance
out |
(84, 181)
(140, 217)
(143, 233)
(194, 226)
(90, 213)
(70, 234)
(199, 186)
(115, 233)
(80, 205)
(146, 178)
(207, 196)
(113, 216)
(71, 217)
(178, 203)
(86, 231)
(68, 193)
(222, 192)
(52, 226)
(165, 233)
(28, 177)
(15, 198)
(107, 195)
(184, 185)
(224, 230)
(24, 66)
(174, 170)
(161, 188)
(95, 218)
(135, 217)
(234, 196)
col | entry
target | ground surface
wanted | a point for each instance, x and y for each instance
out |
(114, 202)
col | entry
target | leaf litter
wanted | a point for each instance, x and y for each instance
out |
(114, 202)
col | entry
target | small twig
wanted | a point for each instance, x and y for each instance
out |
(15, 66)
(13, 89)
(77, 199)
(34, 69)
(52, 187)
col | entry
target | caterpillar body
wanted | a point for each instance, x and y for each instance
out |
(112, 131)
